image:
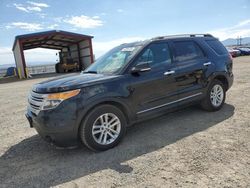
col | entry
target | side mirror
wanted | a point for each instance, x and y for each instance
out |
(141, 67)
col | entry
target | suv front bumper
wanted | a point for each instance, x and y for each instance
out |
(58, 126)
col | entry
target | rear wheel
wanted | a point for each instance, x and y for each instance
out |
(103, 128)
(215, 97)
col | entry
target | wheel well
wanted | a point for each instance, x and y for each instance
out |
(223, 79)
(116, 104)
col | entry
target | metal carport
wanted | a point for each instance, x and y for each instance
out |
(77, 45)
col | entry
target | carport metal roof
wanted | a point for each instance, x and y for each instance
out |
(55, 39)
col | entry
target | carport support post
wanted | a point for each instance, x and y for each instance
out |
(19, 59)
(23, 59)
(79, 56)
(91, 51)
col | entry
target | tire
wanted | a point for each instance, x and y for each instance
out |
(208, 104)
(94, 136)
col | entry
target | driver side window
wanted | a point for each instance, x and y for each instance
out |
(155, 55)
(146, 57)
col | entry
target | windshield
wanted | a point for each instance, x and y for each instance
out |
(114, 60)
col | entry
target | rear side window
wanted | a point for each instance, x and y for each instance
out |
(187, 50)
(217, 46)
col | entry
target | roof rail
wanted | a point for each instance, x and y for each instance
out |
(182, 35)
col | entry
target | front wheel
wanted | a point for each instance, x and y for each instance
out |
(215, 97)
(103, 128)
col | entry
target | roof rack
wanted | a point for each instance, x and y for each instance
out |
(182, 35)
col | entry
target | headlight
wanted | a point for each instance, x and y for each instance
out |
(54, 99)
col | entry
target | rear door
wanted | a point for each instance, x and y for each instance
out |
(192, 65)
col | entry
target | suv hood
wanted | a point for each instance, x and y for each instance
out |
(73, 81)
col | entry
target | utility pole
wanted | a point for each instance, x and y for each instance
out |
(240, 40)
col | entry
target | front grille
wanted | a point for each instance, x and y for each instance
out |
(35, 102)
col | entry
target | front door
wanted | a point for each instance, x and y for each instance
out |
(154, 90)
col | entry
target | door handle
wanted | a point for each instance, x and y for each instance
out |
(208, 63)
(169, 73)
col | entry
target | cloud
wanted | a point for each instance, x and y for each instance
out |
(5, 50)
(53, 26)
(6, 56)
(44, 5)
(120, 10)
(40, 56)
(31, 6)
(243, 23)
(38, 9)
(241, 29)
(32, 57)
(25, 26)
(42, 15)
(101, 47)
(84, 22)
(21, 7)
(96, 17)
(58, 19)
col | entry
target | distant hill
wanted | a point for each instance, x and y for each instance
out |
(29, 64)
(230, 41)
(5, 66)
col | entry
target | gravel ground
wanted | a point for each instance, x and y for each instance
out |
(187, 148)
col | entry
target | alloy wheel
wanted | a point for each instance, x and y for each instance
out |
(106, 128)
(217, 95)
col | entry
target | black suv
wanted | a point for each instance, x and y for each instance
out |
(130, 83)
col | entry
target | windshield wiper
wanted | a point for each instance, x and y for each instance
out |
(91, 72)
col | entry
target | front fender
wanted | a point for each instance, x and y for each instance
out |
(120, 102)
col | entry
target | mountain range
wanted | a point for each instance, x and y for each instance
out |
(231, 41)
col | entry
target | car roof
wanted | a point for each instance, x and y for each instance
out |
(160, 38)
(183, 36)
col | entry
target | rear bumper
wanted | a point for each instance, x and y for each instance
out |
(230, 79)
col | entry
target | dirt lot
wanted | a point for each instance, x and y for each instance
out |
(188, 148)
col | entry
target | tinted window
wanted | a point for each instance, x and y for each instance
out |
(147, 56)
(217, 47)
(155, 54)
(187, 50)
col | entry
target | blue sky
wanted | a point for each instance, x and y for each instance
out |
(112, 22)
